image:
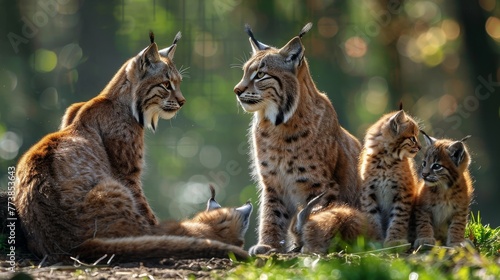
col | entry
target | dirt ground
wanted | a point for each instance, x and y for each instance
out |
(163, 269)
(28, 266)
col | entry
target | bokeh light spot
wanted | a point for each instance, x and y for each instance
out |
(210, 156)
(70, 55)
(493, 27)
(355, 47)
(9, 145)
(44, 60)
(205, 45)
(187, 147)
(327, 27)
(451, 29)
(49, 98)
(447, 105)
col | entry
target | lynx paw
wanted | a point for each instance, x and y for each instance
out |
(424, 241)
(261, 249)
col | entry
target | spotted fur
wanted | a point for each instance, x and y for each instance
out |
(389, 178)
(314, 230)
(445, 194)
(79, 191)
(299, 149)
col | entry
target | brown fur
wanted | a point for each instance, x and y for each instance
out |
(312, 230)
(78, 190)
(445, 194)
(389, 179)
(299, 149)
(70, 114)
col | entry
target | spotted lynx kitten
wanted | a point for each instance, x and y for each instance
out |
(79, 191)
(299, 149)
(389, 180)
(445, 194)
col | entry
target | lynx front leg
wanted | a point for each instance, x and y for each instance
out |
(370, 206)
(456, 230)
(274, 220)
(399, 223)
(425, 232)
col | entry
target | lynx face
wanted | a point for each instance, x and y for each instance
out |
(397, 134)
(444, 161)
(156, 84)
(269, 82)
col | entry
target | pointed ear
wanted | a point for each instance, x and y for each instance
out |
(293, 51)
(396, 121)
(169, 52)
(245, 209)
(428, 140)
(256, 45)
(149, 55)
(457, 152)
(212, 203)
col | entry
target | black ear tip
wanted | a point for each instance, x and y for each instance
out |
(178, 36)
(400, 105)
(248, 30)
(151, 36)
(305, 29)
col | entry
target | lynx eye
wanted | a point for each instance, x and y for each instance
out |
(424, 163)
(413, 139)
(260, 75)
(166, 85)
(436, 167)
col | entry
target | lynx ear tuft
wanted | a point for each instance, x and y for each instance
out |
(256, 45)
(212, 203)
(465, 138)
(169, 52)
(178, 36)
(305, 29)
(151, 36)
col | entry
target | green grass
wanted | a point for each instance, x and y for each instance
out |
(478, 261)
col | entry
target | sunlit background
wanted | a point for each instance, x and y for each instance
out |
(440, 58)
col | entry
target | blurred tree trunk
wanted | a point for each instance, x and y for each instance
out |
(483, 68)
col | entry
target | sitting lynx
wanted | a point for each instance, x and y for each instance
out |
(299, 148)
(389, 178)
(445, 194)
(78, 190)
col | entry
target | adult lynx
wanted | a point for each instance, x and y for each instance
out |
(299, 149)
(78, 190)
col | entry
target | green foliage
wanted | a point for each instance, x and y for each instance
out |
(484, 238)
(363, 260)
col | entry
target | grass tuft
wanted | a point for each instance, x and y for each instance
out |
(479, 259)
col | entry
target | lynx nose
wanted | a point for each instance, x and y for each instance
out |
(425, 174)
(238, 90)
(180, 99)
